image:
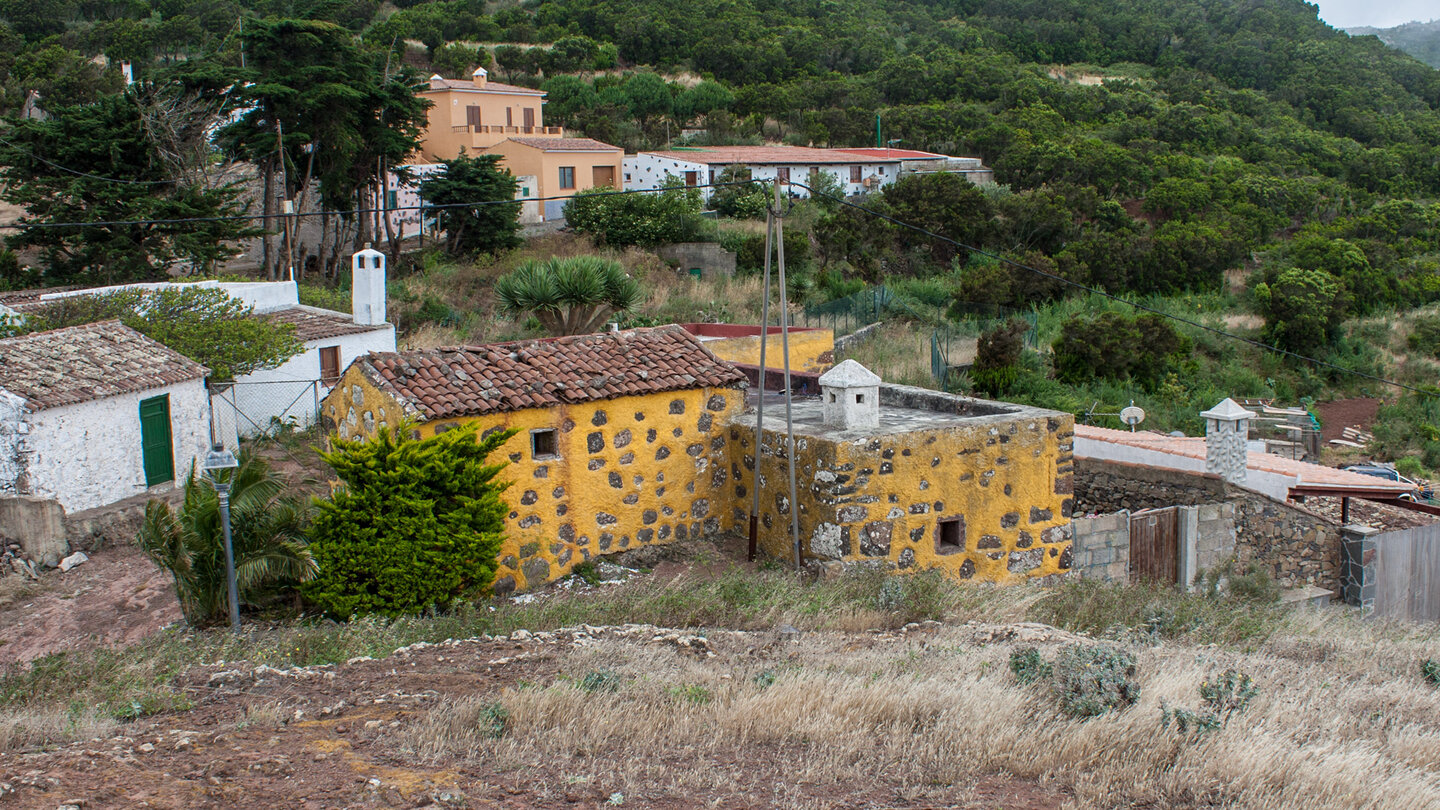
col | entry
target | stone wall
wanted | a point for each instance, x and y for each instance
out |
(1296, 546)
(1102, 487)
(1000, 483)
(625, 472)
(709, 257)
(1101, 547)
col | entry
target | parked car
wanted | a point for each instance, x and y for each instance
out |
(1423, 492)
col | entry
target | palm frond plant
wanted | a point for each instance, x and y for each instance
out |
(267, 530)
(573, 295)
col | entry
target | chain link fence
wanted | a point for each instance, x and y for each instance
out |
(247, 409)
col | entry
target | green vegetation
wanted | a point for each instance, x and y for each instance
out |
(415, 523)
(267, 533)
(1092, 680)
(646, 220)
(570, 296)
(1143, 349)
(1222, 698)
(486, 228)
(206, 325)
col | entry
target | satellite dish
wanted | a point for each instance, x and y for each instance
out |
(1132, 416)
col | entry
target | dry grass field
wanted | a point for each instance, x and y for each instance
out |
(871, 690)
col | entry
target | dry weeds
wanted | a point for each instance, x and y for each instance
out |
(32, 728)
(1341, 720)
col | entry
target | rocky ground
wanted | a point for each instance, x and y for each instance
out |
(116, 597)
(346, 736)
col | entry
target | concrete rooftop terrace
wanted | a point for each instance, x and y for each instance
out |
(903, 409)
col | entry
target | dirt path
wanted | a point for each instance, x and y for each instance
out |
(331, 737)
(116, 598)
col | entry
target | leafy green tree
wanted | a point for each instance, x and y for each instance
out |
(1114, 346)
(646, 220)
(571, 295)
(1303, 309)
(476, 205)
(415, 523)
(748, 201)
(96, 165)
(457, 61)
(206, 325)
(267, 534)
(998, 355)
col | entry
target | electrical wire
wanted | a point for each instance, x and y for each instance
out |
(355, 212)
(1113, 297)
(67, 170)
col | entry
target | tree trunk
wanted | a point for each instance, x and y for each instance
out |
(267, 205)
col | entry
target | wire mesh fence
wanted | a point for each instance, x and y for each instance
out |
(954, 346)
(247, 409)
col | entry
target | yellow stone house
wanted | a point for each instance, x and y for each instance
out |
(621, 436)
(645, 436)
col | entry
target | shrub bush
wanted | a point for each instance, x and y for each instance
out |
(1430, 671)
(1029, 666)
(1117, 347)
(1092, 680)
(416, 523)
(1222, 697)
(997, 356)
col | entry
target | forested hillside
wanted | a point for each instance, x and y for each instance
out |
(1419, 39)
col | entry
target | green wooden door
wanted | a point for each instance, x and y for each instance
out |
(155, 446)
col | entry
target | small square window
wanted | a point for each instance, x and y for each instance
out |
(832, 397)
(949, 536)
(860, 399)
(542, 443)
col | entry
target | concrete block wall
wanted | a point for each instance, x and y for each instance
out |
(1101, 547)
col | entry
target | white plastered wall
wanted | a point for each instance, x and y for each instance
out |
(89, 455)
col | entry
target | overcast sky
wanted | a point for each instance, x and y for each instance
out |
(1379, 13)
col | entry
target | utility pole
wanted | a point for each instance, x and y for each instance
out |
(785, 357)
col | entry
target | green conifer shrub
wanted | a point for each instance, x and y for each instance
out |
(415, 524)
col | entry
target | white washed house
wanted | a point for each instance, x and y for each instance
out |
(702, 165)
(94, 414)
(291, 393)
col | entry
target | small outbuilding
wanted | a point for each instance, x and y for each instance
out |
(621, 436)
(94, 414)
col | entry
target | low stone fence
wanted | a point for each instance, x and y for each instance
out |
(1109, 486)
(1100, 547)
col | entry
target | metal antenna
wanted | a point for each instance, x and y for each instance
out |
(785, 353)
(760, 404)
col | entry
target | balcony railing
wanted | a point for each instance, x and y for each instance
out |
(495, 129)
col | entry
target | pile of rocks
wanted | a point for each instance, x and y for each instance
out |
(13, 562)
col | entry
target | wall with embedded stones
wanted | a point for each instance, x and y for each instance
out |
(1005, 478)
(626, 473)
(1294, 545)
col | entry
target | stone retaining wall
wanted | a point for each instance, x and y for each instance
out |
(1109, 486)
(1101, 547)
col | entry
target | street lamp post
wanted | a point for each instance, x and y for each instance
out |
(217, 462)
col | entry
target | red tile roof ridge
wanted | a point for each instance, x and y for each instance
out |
(566, 144)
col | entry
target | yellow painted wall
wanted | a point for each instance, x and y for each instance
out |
(524, 160)
(630, 472)
(1011, 483)
(809, 350)
(448, 110)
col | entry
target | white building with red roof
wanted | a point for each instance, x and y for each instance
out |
(94, 414)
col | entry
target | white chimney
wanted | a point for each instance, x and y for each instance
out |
(1227, 427)
(850, 396)
(128, 71)
(367, 287)
(480, 76)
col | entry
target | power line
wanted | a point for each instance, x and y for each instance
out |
(67, 170)
(1112, 297)
(355, 212)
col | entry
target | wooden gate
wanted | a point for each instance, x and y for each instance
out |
(1154, 535)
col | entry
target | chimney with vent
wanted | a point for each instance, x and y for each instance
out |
(480, 76)
(850, 397)
(1227, 427)
(367, 287)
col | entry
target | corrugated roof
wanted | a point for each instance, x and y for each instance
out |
(752, 155)
(500, 377)
(490, 87)
(567, 144)
(1193, 447)
(82, 363)
(315, 324)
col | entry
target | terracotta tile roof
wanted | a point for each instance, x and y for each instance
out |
(82, 363)
(490, 87)
(898, 154)
(500, 377)
(1193, 447)
(567, 144)
(751, 155)
(317, 324)
(24, 300)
